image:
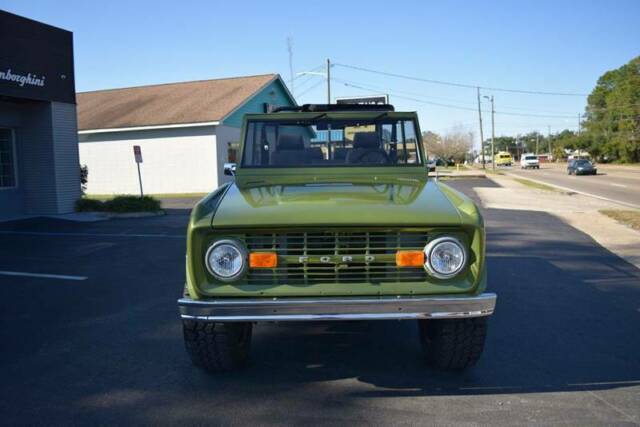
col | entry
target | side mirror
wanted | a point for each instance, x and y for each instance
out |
(230, 169)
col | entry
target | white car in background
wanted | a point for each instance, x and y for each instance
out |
(529, 161)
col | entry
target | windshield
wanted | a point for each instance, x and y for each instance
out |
(331, 142)
(582, 162)
(530, 158)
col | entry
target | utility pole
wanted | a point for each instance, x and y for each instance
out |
(328, 81)
(493, 135)
(290, 49)
(481, 135)
(579, 123)
(549, 136)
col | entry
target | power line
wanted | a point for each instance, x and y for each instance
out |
(316, 68)
(310, 88)
(457, 107)
(564, 114)
(308, 80)
(455, 84)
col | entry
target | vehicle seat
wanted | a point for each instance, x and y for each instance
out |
(289, 151)
(314, 155)
(366, 149)
(340, 153)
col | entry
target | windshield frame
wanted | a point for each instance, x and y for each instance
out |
(374, 116)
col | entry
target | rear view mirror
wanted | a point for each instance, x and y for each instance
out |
(230, 169)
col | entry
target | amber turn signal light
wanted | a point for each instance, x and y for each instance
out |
(409, 258)
(263, 260)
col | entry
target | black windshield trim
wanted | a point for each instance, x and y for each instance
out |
(379, 119)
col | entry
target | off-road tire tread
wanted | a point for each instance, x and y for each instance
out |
(453, 344)
(214, 347)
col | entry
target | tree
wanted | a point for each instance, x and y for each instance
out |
(502, 143)
(613, 113)
(454, 145)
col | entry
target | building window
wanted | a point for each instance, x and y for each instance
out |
(7, 159)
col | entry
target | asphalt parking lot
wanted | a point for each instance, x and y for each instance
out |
(102, 344)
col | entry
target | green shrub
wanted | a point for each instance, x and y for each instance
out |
(132, 204)
(89, 205)
(119, 204)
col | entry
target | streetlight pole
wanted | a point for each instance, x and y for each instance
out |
(481, 135)
(326, 74)
(493, 133)
(328, 81)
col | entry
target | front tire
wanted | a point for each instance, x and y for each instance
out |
(217, 347)
(453, 344)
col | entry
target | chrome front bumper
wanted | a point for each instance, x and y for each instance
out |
(336, 308)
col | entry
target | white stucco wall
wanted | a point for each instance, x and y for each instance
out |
(182, 160)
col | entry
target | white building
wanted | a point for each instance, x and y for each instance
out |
(39, 173)
(185, 131)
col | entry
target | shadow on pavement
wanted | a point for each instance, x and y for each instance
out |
(110, 350)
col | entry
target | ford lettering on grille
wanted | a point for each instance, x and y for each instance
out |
(336, 257)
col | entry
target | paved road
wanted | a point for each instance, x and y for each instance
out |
(617, 184)
(562, 348)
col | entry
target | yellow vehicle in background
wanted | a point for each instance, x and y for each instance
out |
(503, 158)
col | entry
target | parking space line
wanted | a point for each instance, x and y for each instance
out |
(54, 234)
(42, 276)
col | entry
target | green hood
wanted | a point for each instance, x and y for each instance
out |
(396, 202)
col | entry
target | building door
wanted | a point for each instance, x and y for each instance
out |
(11, 203)
(8, 166)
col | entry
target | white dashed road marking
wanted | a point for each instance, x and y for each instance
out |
(618, 185)
(42, 276)
(45, 233)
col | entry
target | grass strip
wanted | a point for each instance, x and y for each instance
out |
(630, 218)
(535, 185)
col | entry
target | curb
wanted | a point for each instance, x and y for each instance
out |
(111, 215)
(456, 176)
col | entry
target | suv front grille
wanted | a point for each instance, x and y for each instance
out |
(336, 257)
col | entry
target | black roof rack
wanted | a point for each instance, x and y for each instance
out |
(325, 108)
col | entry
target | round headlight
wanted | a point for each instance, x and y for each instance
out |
(444, 257)
(226, 260)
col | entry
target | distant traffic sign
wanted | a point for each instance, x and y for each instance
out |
(137, 152)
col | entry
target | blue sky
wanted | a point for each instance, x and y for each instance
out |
(561, 46)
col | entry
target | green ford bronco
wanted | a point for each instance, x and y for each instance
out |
(332, 216)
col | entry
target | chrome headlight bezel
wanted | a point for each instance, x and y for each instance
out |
(428, 250)
(239, 248)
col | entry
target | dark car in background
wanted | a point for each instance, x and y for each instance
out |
(581, 167)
